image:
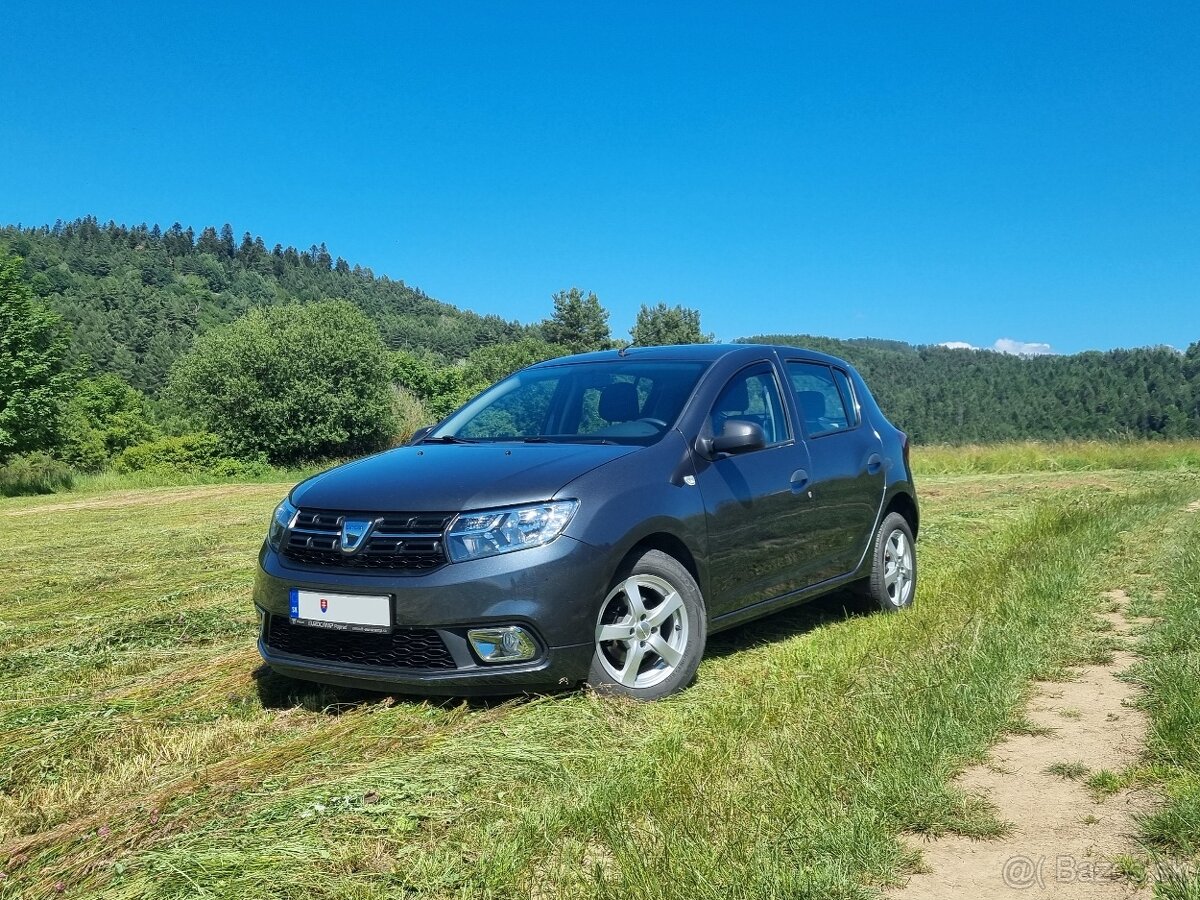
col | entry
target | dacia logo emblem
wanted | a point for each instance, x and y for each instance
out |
(354, 532)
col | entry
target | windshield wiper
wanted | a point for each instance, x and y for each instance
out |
(448, 439)
(543, 440)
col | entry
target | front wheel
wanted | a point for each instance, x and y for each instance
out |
(651, 629)
(893, 581)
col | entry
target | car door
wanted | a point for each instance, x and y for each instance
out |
(756, 502)
(846, 465)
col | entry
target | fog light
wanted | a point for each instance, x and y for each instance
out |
(509, 643)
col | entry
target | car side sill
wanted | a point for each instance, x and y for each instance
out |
(783, 601)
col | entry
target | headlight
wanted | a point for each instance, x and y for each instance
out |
(474, 535)
(281, 521)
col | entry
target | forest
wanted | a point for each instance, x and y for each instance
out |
(134, 347)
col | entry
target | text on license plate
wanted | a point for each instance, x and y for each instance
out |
(341, 612)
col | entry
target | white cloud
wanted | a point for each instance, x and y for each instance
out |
(1004, 345)
(958, 345)
(1021, 348)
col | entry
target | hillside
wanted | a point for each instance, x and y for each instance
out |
(944, 395)
(135, 297)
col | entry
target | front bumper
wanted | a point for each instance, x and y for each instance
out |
(553, 591)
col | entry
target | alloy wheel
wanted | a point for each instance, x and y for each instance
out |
(642, 631)
(898, 568)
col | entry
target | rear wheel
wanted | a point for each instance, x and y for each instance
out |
(893, 581)
(651, 629)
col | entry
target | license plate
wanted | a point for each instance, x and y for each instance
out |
(342, 612)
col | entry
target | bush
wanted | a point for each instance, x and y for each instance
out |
(34, 473)
(410, 413)
(104, 417)
(442, 389)
(189, 454)
(291, 383)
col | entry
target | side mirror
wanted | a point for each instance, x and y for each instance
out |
(420, 434)
(739, 437)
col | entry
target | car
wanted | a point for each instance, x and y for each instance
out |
(591, 519)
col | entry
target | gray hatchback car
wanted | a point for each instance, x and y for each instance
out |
(591, 519)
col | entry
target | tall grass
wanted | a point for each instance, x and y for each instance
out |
(147, 756)
(34, 473)
(1062, 456)
(1171, 676)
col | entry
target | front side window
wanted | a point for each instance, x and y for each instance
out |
(752, 395)
(622, 401)
(818, 398)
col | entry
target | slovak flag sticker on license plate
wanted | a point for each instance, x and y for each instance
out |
(342, 612)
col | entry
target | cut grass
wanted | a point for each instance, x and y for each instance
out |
(147, 754)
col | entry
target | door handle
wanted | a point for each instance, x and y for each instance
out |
(799, 481)
(874, 463)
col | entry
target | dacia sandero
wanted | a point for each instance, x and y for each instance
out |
(592, 519)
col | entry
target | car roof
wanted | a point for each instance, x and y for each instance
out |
(689, 353)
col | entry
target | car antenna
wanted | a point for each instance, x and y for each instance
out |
(624, 351)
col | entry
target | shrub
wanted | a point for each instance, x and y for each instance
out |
(191, 454)
(291, 383)
(104, 417)
(442, 389)
(34, 473)
(409, 411)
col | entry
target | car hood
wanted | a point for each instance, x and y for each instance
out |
(453, 477)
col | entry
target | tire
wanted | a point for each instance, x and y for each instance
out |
(654, 611)
(893, 581)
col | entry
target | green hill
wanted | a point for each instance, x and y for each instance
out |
(951, 395)
(135, 297)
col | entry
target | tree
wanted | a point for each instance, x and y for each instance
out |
(579, 323)
(660, 325)
(293, 382)
(35, 380)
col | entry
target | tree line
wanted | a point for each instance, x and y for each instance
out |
(139, 348)
(943, 395)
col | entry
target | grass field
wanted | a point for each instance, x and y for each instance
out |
(146, 753)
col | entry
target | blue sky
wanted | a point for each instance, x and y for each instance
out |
(925, 172)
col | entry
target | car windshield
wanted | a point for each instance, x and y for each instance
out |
(620, 402)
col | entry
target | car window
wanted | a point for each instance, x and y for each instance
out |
(521, 412)
(752, 395)
(817, 397)
(622, 401)
(847, 391)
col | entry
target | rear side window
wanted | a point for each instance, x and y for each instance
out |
(847, 391)
(824, 408)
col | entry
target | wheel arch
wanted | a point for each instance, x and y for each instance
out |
(672, 546)
(904, 504)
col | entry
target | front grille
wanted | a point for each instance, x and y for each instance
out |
(400, 542)
(404, 648)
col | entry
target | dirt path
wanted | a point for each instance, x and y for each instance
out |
(1064, 837)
